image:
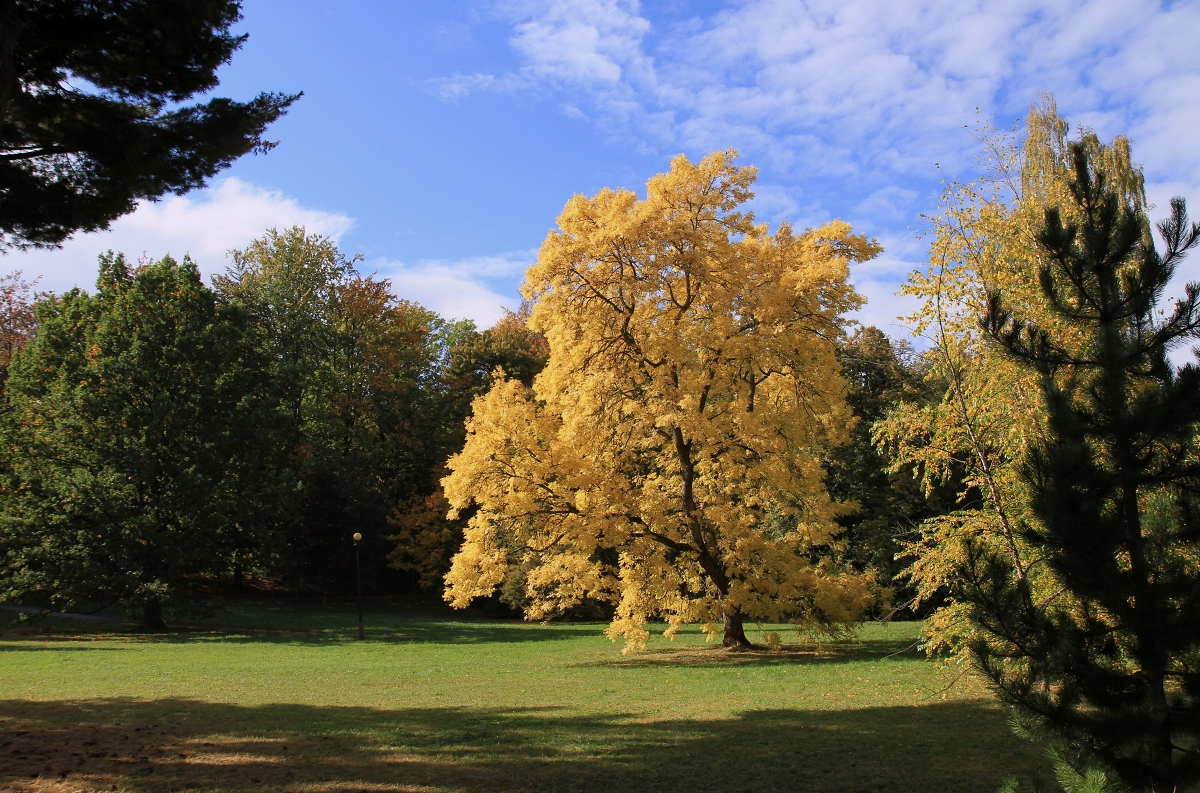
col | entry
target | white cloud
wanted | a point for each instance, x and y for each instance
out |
(884, 307)
(459, 85)
(472, 288)
(847, 104)
(204, 225)
(594, 44)
(582, 41)
(877, 280)
(887, 203)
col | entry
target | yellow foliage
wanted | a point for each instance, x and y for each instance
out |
(982, 242)
(668, 458)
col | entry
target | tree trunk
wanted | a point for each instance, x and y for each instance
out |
(735, 634)
(706, 552)
(239, 582)
(152, 615)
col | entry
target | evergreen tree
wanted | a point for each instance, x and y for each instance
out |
(885, 504)
(1109, 663)
(91, 120)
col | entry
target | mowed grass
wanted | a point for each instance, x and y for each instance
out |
(277, 696)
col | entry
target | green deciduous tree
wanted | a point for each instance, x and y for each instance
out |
(357, 373)
(425, 538)
(90, 113)
(138, 432)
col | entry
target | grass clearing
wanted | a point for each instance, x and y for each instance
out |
(280, 697)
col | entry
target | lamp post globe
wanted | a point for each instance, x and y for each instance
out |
(358, 581)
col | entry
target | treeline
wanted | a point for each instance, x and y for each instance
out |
(160, 433)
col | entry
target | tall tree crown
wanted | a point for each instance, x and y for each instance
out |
(668, 457)
(1111, 667)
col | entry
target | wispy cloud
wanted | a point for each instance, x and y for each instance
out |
(457, 86)
(589, 44)
(581, 42)
(847, 104)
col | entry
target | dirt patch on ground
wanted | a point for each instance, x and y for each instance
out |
(167, 757)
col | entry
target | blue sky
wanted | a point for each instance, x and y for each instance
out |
(441, 139)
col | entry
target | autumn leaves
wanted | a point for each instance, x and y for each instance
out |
(668, 459)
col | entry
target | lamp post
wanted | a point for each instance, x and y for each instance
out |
(358, 579)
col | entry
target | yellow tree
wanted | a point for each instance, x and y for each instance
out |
(983, 240)
(668, 458)
(1013, 607)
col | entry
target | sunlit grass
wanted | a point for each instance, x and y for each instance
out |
(279, 696)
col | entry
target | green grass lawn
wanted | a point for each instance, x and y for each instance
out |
(278, 696)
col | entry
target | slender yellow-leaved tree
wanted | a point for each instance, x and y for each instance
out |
(668, 458)
(983, 240)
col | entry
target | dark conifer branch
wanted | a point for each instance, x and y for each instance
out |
(74, 159)
(1113, 488)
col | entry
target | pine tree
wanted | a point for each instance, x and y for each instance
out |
(92, 113)
(1109, 664)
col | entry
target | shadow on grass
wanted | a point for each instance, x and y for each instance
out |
(277, 622)
(176, 744)
(56, 647)
(387, 621)
(324, 629)
(410, 631)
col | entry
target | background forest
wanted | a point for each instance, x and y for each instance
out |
(289, 405)
(285, 407)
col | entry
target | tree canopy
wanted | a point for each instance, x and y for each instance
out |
(356, 374)
(668, 459)
(91, 113)
(1068, 568)
(159, 434)
(139, 435)
(883, 506)
(1110, 663)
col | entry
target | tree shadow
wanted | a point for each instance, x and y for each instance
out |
(326, 629)
(399, 631)
(57, 646)
(281, 622)
(177, 744)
